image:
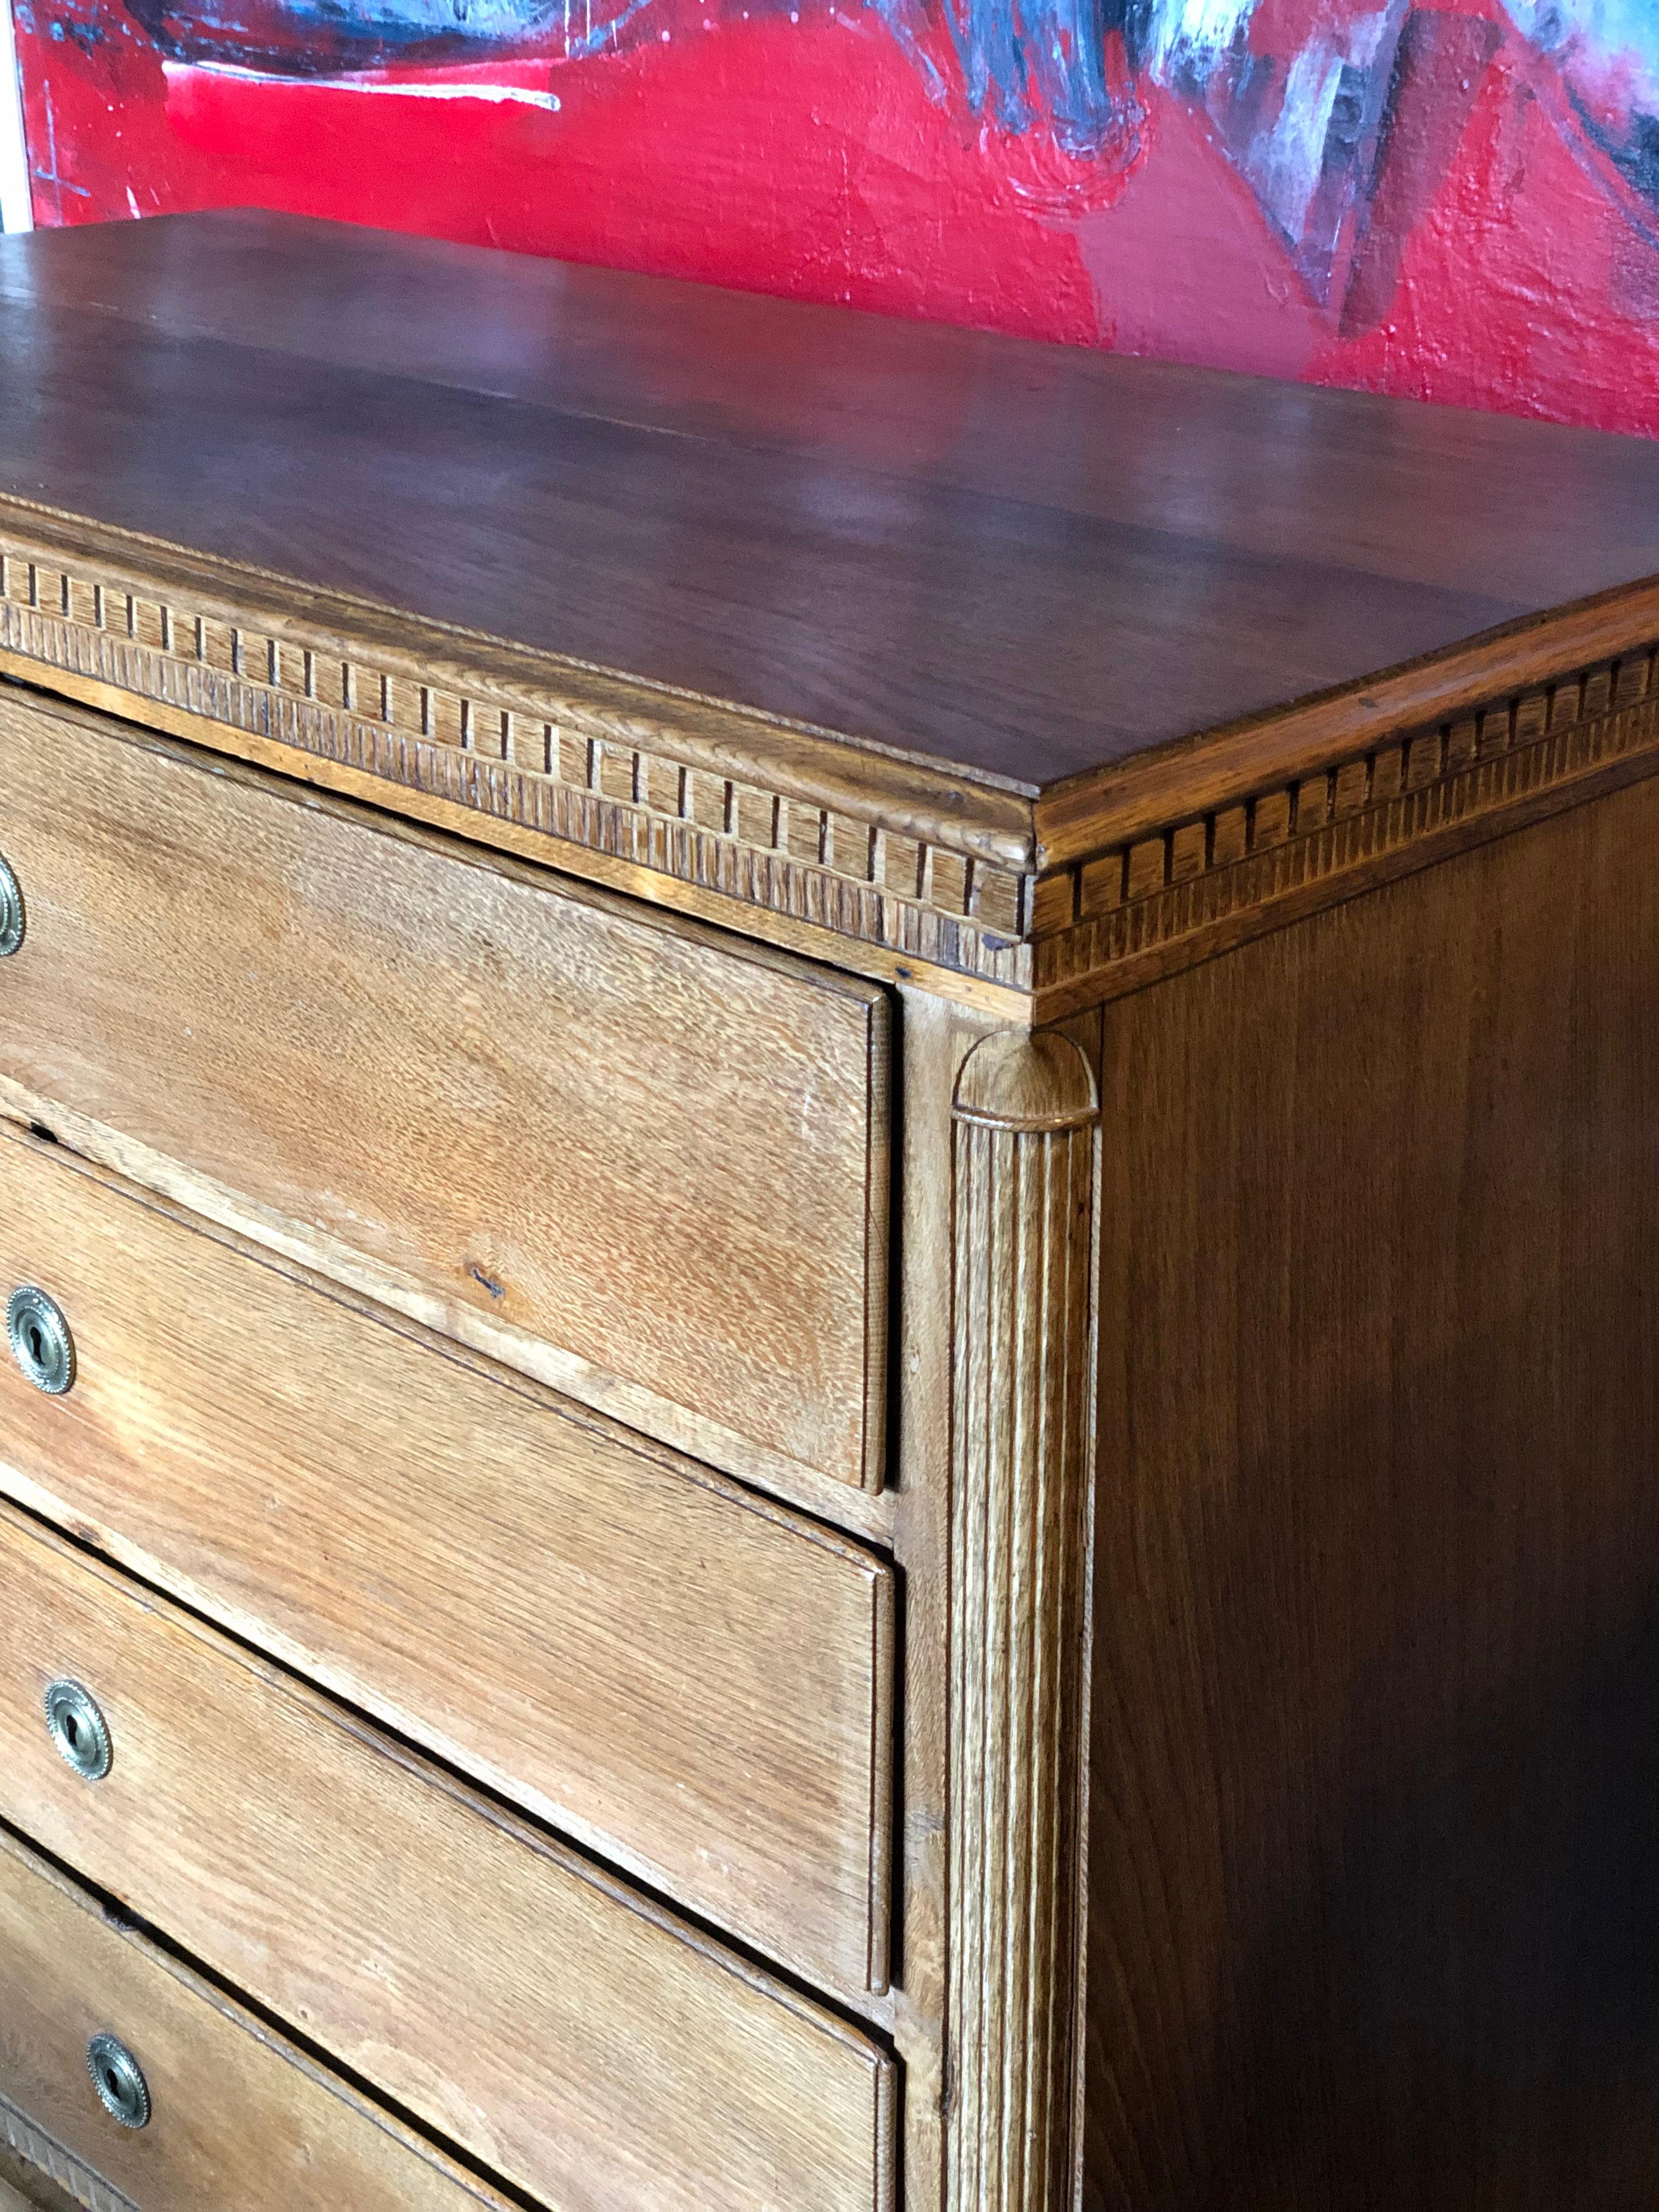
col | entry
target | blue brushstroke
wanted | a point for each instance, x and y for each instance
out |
(1040, 63)
(1307, 130)
(1606, 53)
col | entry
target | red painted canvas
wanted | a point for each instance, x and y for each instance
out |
(1459, 201)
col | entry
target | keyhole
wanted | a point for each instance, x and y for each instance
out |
(40, 1341)
(79, 1729)
(117, 2077)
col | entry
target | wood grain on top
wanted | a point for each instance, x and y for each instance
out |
(1025, 561)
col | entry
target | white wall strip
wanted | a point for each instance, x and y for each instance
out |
(15, 211)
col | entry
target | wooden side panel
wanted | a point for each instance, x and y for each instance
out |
(1375, 1826)
(503, 1991)
(691, 1680)
(238, 2118)
(644, 1164)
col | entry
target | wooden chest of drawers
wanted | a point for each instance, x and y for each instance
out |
(828, 1198)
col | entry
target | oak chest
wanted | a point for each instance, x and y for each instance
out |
(828, 1204)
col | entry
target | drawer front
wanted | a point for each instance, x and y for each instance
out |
(692, 1681)
(238, 2120)
(539, 2015)
(642, 1164)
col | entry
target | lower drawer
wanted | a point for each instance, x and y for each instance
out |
(229, 2116)
(537, 2014)
(693, 1683)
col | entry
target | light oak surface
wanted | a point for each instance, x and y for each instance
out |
(504, 1992)
(239, 2116)
(645, 1165)
(679, 1674)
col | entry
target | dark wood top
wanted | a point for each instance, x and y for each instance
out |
(1025, 560)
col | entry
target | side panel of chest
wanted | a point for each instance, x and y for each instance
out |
(1377, 1654)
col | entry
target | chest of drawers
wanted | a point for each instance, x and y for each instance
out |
(827, 1185)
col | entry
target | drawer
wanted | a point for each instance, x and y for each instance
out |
(689, 1679)
(539, 2014)
(641, 1162)
(239, 2121)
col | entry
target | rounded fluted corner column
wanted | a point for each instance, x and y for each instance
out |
(1025, 1109)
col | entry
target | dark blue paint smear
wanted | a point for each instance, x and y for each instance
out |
(1026, 66)
(324, 38)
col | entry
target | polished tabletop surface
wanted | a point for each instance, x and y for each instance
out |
(1025, 560)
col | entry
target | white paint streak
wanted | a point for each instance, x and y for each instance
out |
(1189, 33)
(518, 96)
(1285, 167)
(16, 210)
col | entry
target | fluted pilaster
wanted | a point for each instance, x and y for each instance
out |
(1025, 1109)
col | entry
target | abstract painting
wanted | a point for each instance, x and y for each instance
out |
(1458, 201)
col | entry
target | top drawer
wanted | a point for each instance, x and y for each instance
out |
(638, 1161)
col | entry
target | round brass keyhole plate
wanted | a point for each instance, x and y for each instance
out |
(120, 2081)
(13, 918)
(79, 1729)
(40, 1340)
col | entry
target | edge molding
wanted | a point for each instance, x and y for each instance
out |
(47, 2156)
(899, 869)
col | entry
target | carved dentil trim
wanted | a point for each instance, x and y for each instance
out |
(545, 760)
(924, 868)
(1025, 1112)
(47, 2156)
(1407, 797)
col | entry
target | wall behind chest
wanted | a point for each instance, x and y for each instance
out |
(1459, 201)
